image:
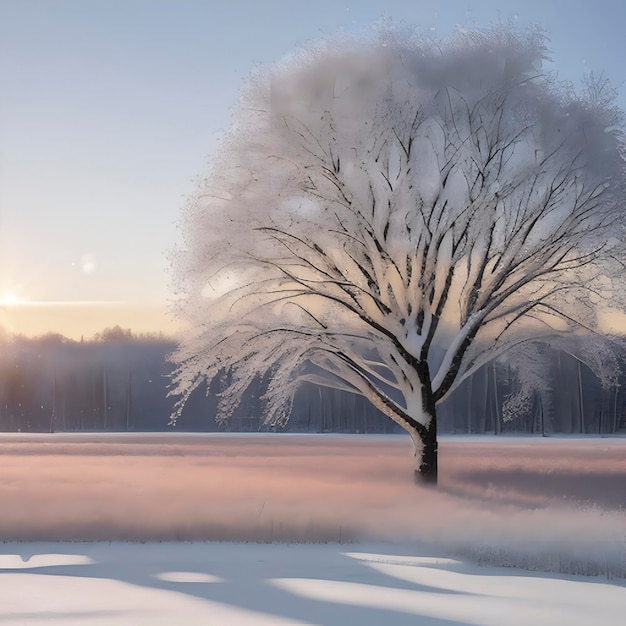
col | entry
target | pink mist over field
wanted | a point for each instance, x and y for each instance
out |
(552, 498)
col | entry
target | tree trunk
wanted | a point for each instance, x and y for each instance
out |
(497, 420)
(427, 471)
(581, 403)
(425, 445)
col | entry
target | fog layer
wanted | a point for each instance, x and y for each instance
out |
(534, 502)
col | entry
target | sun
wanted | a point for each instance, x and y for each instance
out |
(9, 299)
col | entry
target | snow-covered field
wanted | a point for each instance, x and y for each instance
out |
(375, 543)
(221, 584)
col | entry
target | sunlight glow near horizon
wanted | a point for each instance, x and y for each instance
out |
(10, 299)
(109, 112)
(77, 320)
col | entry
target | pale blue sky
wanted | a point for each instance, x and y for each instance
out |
(110, 108)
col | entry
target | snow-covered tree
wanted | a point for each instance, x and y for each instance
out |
(386, 216)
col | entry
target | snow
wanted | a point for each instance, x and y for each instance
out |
(212, 517)
(246, 584)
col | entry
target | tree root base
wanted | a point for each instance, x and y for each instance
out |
(425, 479)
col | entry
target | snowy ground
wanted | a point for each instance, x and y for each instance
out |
(544, 504)
(225, 584)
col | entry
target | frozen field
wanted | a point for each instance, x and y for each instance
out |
(375, 542)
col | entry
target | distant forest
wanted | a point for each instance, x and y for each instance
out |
(118, 381)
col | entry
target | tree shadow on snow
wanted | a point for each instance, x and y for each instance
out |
(246, 578)
(519, 486)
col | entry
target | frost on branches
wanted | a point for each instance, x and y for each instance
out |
(386, 216)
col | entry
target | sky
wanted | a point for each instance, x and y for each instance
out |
(111, 109)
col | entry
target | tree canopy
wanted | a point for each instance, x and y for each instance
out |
(386, 215)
